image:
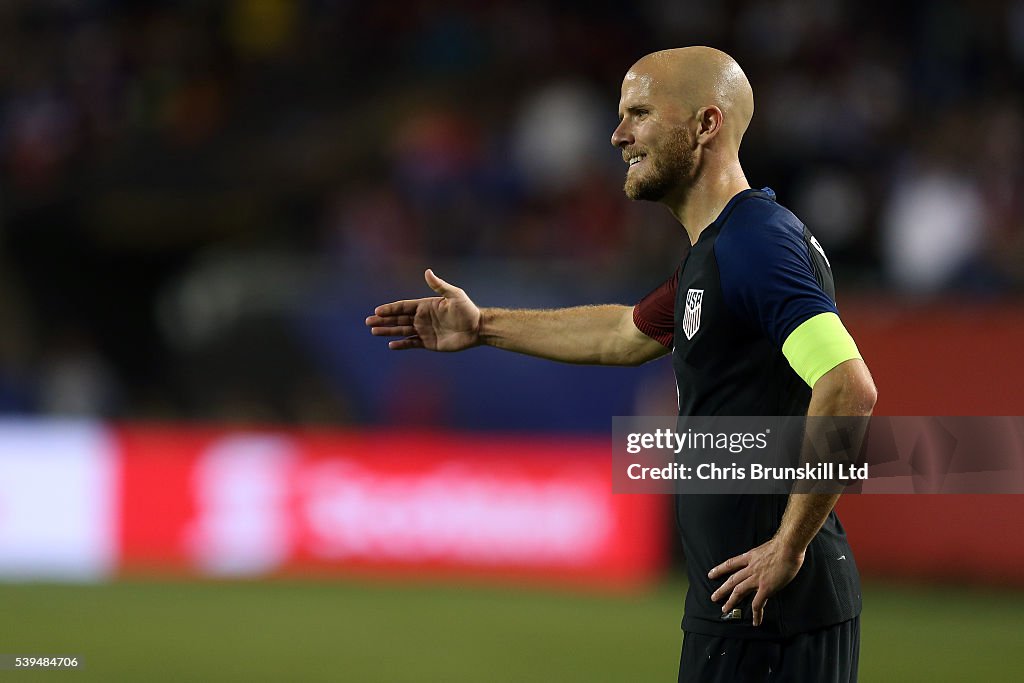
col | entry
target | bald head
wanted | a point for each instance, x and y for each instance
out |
(695, 77)
(682, 116)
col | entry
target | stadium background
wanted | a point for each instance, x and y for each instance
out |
(200, 202)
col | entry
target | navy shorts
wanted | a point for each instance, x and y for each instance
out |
(827, 655)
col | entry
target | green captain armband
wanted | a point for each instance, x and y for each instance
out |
(818, 345)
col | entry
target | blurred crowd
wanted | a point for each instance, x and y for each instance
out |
(186, 187)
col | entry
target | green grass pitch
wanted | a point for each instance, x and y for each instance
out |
(344, 631)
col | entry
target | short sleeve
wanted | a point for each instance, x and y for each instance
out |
(654, 315)
(767, 276)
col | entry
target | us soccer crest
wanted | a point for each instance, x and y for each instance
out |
(691, 315)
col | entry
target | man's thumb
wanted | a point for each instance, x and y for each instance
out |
(439, 285)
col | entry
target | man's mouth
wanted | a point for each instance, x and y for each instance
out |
(634, 160)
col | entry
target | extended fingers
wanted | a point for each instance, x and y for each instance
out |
(395, 331)
(406, 307)
(729, 566)
(391, 325)
(737, 594)
(389, 320)
(757, 606)
(407, 343)
(731, 583)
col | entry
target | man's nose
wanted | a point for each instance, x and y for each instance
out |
(622, 136)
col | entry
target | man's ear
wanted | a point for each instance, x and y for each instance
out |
(709, 123)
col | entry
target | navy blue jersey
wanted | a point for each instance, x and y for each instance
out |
(753, 277)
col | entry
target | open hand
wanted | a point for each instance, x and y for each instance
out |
(766, 569)
(448, 322)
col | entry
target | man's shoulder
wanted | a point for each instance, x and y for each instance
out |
(759, 231)
(760, 218)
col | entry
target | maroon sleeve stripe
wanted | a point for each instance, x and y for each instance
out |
(654, 315)
(658, 334)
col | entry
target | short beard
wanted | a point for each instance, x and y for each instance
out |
(672, 166)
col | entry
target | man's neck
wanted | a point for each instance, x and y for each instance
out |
(704, 200)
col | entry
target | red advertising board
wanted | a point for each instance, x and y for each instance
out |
(84, 501)
(250, 504)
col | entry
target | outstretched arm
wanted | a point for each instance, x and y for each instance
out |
(603, 335)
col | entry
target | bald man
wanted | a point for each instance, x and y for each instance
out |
(750, 319)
